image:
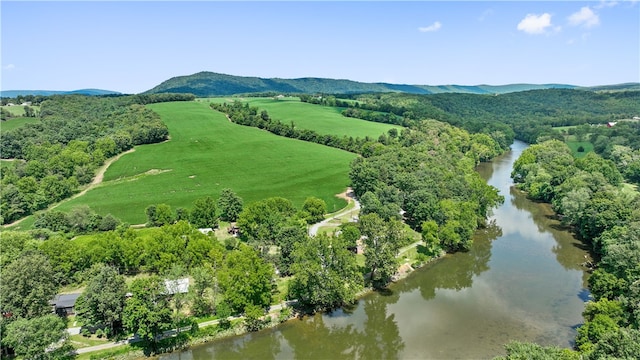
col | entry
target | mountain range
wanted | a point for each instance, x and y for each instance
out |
(92, 92)
(205, 83)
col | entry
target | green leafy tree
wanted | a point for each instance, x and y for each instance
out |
(204, 282)
(314, 210)
(230, 205)
(43, 337)
(204, 213)
(326, 273)
(159, 215)
(103, 298)
(620, 344)
(382, 240)
(260, 221)
(27, 286)
(253, 317)
(147, 313)
(528, 351)
(246, 279)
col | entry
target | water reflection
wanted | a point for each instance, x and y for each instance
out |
(457, 271)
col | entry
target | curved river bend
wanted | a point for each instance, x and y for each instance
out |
(522, 280)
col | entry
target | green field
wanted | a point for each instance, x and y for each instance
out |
(18, 110)
(574, 145)
(17, 122)
(325, 120)
(564, 129)
(207, 153)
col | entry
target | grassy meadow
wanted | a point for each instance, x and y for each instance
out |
(207, 153)
(18, 110)
(325, 120)
(14, 123)
(573, 142)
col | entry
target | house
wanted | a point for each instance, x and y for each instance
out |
(205, 230)
(64, 304)
(178, 286)
(611, 123)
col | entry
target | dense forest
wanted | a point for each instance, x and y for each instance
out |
(525, 115)
(52, 158)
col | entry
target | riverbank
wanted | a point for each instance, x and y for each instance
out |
(210, 331)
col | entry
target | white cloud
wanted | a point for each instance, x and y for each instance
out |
(535, 24)
(606, 4)
(433, 27)
(9, 67)
(585, 17)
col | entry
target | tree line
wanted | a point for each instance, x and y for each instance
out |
(243, 114)
(525, 115)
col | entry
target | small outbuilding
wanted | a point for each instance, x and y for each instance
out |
(64, 304)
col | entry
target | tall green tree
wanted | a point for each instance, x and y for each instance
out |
(246, 279)
(204, 213)
(43, 337)
(313, 210)
(382, 240)
(147, 313)
(27, 286)
(229, 205)
(103, 298)
(326, 273)
(259, 222)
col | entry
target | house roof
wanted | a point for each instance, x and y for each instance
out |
(178, 286)
(65, 300)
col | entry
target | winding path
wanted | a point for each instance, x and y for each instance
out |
(349, 196)
(95, 182)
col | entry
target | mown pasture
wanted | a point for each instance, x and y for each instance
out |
(325, 120)
(207, 153)
(18, 110)
(573, 143)
(14, 123)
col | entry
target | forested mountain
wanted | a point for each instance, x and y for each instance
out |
(90, 92)
(212, 84)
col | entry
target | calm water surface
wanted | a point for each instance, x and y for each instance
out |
(522, 280)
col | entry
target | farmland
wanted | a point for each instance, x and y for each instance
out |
(207, 153)
(15, 123)
(321, 119)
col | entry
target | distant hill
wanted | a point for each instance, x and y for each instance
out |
(214, 84)
(616, 87)
(14, 93)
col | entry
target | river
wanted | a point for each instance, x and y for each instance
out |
(521, 280)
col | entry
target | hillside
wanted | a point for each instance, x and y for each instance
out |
(204, 84)
(206, 154)
(91, 92)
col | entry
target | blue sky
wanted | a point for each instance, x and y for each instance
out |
(133, 46)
